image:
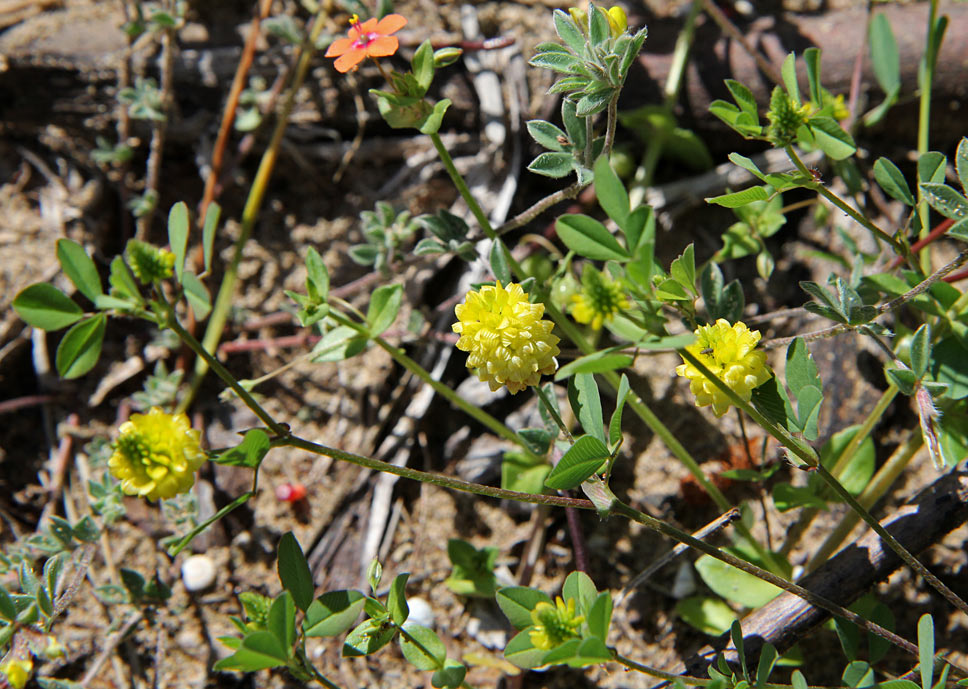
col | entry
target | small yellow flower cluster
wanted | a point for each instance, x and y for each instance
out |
(554, 624)
(840, 110)
(156, 455)
(17, 672)
(149, 263)
(508, 341)
(730, 353)
(599, 300)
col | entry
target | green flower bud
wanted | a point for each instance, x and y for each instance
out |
(785, 118)
(149, 263)
(553, 625)
(446, 56)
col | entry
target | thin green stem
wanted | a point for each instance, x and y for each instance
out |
(575, 335)
(611, 123)
(589, 141)
(428, 477)
(810, 458)
(550, 408)
(892, 542)
(808, 514)
(926, 84)
(462, 188)
(865, 429)
(227, 378)
(874, 490)
(800, 449)
(657, 673)
(250, 213)
(843, 205)
(187, 538)
(321, 678)
(680, 55)
(677, 70)
(446, 392)
(423, 649)
(526, 216)
(618, 507)
(687, 680)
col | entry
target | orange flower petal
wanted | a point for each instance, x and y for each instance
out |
(391, 23)
(369, 26)
(382, 46)
(348, 61)
(338, 47)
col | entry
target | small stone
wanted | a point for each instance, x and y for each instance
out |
(420, 612)
(198, 572)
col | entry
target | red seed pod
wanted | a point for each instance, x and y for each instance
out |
(291, 492)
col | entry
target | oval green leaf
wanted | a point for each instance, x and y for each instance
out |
(734, 584)
(294, 571)
(945, 200)
(598, 362)
(44, 306)
(208, 232)
(589, 238)
(384, 306)
(892, 181)
(546, 134)
(397, 599)
(368, 637)
(429, 654)
(517, 602)
(739, 198)
(581, 461)
(708, 615)
(333, 613)
(259, 651)
(554, 164)
(197, 295)
(249, 453)
(79, 350)
(522, 652)
(178, 235)
(281, 621)
(451, 676)
(79, 268)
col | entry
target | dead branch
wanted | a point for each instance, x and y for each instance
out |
(920, 523)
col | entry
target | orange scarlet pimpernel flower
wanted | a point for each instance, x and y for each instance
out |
(370, 39)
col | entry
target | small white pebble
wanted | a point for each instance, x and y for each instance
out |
(744, 7)
(420, 612)
(685, 583)
(198, 572)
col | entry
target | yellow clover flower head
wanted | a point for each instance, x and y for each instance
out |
(554, 624)
(156, 455)
(599, 300)
(730, 353)
(508, 341)
(149, 263)
(17, 671)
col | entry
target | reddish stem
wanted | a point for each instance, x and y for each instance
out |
(921, 243)
(954, 277)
